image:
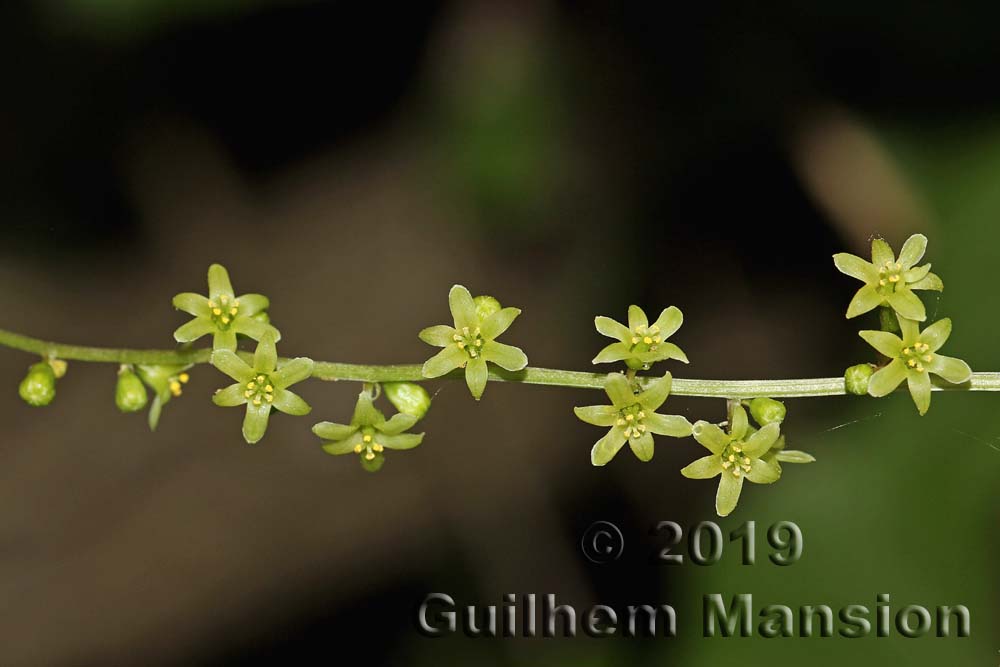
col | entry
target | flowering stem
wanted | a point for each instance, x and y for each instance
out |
(332, 371)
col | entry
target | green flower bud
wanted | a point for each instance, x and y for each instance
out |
(408, 398)
(38, 387)
(767, 411)
(856, 379)
(887, 320)
(486, 306)
(130, 392)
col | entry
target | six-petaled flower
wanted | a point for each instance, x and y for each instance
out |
(369, 434)
(890, 280)
(471, 343)
(632, 418)
(735, 456)
(640, 344)
(913, 358)
(262, 386)
(223, 314)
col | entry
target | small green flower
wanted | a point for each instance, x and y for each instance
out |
(166, 381)
(736, 456)
(369, 434)
(471, 342)
(38, 388)
(262, 386)
(890, 281)
(914, 357)
(640, 344)
(130, 392)
(632, 418)
(223, 314)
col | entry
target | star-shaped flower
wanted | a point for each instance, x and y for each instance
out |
(640, 344)
(472, 341)
(914, 358)
(736, 456)
(890, 281)
(632, 418)
(369, 434)
(222, 314)
(262, 386)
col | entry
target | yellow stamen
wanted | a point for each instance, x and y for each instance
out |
(370, 455)
(479, 342)
(251, 385)
(726, 464)
(184, 378)
(260, 378)
(654, 329)
(647, 340)
(269, 389)
(882, 282)
(906, 350)
(736, 472)
(920, 368)
(225, 320)
(224, 299)
(175, 388)
(620, 422)
(357, 449)
(635, 340)
(367, 438)
(211, 304)
(642, 415)
(629, 417)
(233, 311)
(732, 457)
(269, 398)
(377, 447)
(257, 401)
(236, 303)
(216, 311)
(247, 394)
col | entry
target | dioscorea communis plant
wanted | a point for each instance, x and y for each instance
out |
(470, 350)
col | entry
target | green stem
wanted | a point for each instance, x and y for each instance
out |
(327, 370)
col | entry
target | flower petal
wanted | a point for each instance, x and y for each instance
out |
(936, 335)
(613, 352)
(506, 356)
(794, 456)
(710, 436)
(218, 282)
(671, 351)
(463, 308)
(636, 318)
(365, 413)
(881, 253)
(224, 340)
(230, 396)
(704, 468)
(445, 361)
(194, 304)
(290, 403)
(729, 493)
(761, 441)
(401, 441)
(619, 391)
(855, 267)
(669, 321)
(739, 425)
(605, 449)
(673, 425)
(292, 371)
(908, 329)
(232, 365)
(251, 304)
(265, 358)
(598, 415)
(642, 446)
(930, 282)
(255, 329)
(343, 446)
(916, 274)
(907, 304)
(194, 330)
(920, 390)
(440, 335)
(951, 369)
(764, 472)
(611, 328)
(886, 380)
(498, 322)
(865, 300)
(255, 423)
(656, 393)
(333, 431)
(476, 374)
(886, 343)
(913, 250)
(398, 423)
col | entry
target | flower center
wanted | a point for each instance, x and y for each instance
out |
(470, 341)
(224, 311)
(890, 274)
(734, 460)
(646, 338)
(259, 390)
(368, 444)
(916, 355)
(632, 419)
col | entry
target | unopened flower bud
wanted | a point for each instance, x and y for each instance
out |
(856, 379)
(767, 411)
(130, 392)
(486, 306)
(38, 387)
(408, 398)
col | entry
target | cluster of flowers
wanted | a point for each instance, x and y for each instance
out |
(738, 449)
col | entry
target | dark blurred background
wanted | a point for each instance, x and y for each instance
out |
(353, 161)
